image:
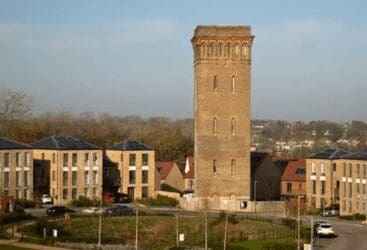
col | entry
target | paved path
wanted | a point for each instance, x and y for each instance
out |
(29, 245)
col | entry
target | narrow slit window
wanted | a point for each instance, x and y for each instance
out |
(233, 124)
(214, 126)
(215, 83)
(228, 50)
(214, 167)
(233, 164)
(220, 50)
(232, 84)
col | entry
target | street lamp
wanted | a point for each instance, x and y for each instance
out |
(255, 182)
(298, 221)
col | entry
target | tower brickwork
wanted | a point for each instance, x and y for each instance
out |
(222, 64)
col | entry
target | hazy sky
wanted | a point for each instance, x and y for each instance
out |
(135, 57)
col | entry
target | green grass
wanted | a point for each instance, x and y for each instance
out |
(281, 244)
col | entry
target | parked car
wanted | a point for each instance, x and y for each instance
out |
(46, 199)
(92, 210)
(325, 229)
(118, 210)
(109, 197)
(58, 211)
(329, 211)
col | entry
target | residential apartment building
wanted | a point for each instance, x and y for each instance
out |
(352, 176)
(323, 177)
(189, 174)
(16, 169)
(136, 166)
(74, 167)
(293, 181)
(171, 178)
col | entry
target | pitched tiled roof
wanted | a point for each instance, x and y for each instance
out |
(295, 171)
(256, 159)
(362, 155)
(331, 153)
(282, 163)
(6, 143)
(63, 143)
(188, 171)
(129, 146)
(164, 168)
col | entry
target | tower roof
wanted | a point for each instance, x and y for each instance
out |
(223, 31)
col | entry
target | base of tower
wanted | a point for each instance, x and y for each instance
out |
(238, 204)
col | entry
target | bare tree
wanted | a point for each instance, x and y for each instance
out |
(14, 105)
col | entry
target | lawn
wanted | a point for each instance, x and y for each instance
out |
(160, 231)
(6, 247)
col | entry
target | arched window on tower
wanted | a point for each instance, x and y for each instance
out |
(214, 126)
(233, 121)
(211, 50)
(244, 51)
(237, 50)
(232, 84)
(214, 167)
(219, 50)
(215, 83)
(233, 165)
(228, 50)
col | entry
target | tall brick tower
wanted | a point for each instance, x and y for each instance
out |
(222, 62)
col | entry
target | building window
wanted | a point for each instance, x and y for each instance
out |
(53, 158)
(313, 168)
(73, 193)
(350, 169)
(64, 178)
(65, 159)
(95, 159)
(358, 170)
(233, 164)
(344, 205)
(350, 190)
(86, 192)
(214, 167)
(74, 159)
(334, 167)
(6, 160)
(132, 176)
(144, 159)
(43, 156)
(26, 194)
(86, 159)
(95, 193)
(219, 50)
(122, 157)
(86, 177)
(144, 192)
(228, 49)
(211, 50)
(53, 175)
(17, 159)
(17, 194)
(232, 84)
(357, 189)
(344, 169)
(144, 176)
(233, 121)
(26, 178)
(357, 207)
(132, 160)
(214, 126)
(313, 187)
(17, 178)
(27, 159)
(364, 189)
(191, 184)
(289, 187)
(322, 167)
(350, 206)
(215, 83)
(322, 187)
(364, 171)
(64, 194)
(74, 178)
(95, 177)
(344, 189)
(6, 179)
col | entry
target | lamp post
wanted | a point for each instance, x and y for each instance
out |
(255, 182)
(298, 221)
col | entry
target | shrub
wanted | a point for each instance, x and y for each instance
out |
(12, 218)
(291, 223)
(25, 203)
(161, 200)
(353, 217)
(83, 201)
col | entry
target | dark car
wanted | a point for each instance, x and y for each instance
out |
(118, 210)
(122, 198)
(58, 211)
